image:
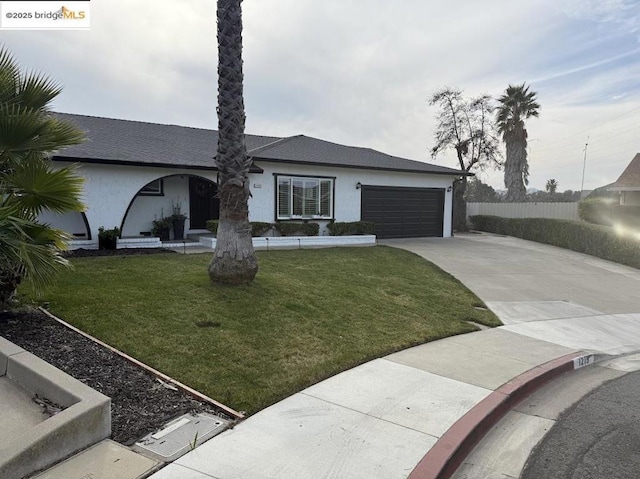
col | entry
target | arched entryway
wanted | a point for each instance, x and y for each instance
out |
(190, 195)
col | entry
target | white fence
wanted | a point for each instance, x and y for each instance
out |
(562, 211)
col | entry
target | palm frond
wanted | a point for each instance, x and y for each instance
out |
(35, 186)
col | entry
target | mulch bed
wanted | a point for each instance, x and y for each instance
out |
(140, 404)
(82, 253)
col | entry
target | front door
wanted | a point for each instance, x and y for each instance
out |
(203, 202)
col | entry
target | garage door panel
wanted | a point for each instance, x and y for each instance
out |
(404, 212)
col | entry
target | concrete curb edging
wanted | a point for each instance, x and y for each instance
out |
(85, 420)
(192, 392)
(450, 451)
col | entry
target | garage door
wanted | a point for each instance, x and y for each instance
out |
(403, 212)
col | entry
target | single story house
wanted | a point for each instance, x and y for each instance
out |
(136, 172)
(628, 185)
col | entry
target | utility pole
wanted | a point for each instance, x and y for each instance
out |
(584, 166)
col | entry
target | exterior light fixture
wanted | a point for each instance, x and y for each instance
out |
(358, 185)
(449, 189)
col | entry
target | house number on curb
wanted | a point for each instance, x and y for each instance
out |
(583, 361)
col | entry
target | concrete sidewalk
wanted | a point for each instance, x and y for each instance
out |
(378, 420)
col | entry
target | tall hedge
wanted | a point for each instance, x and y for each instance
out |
(596, 240)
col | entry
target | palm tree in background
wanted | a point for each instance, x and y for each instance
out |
(234, 260)
(551, 186)
(515, 106)
(28, 183)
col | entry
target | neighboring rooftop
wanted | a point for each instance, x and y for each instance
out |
(630, 177)
(125, 142)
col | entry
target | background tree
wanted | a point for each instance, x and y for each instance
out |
(466, 126)
(234, 260)
(551, 186)
(516, 105)
(479, 192)
(28, 183)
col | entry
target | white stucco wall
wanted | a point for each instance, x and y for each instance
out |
(72, 222)
(347, 197)
(147, 208)
(109, 190)
(630, 198)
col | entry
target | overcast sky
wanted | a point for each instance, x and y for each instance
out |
(360, 72)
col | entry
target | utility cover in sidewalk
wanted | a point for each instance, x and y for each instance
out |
(105, 460)
(180, 436)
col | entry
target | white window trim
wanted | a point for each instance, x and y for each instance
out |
(304, 178)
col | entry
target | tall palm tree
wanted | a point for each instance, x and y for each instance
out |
(28, 183)
(516, 105)
(551, 186)
(234, 260)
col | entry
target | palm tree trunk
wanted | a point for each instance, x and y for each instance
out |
(10, 278)
(515, 168)
(234, 260)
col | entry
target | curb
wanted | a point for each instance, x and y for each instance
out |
(450, 451)
(231, 412)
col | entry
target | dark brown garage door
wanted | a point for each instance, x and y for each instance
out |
(403, 212)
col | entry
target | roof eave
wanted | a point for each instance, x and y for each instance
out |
(361, 167)
(623, 188)
(101, 161)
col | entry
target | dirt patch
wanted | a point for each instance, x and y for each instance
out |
(140, 403)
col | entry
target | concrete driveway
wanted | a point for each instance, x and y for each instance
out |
(515, 278)
(379, 419)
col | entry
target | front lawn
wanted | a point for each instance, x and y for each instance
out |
(309, 314)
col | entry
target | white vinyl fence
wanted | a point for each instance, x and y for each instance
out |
(561, 211)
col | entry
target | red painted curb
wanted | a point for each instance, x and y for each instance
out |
(450, 451)
(231, 412)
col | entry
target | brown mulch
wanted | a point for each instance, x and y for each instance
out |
(140, 404)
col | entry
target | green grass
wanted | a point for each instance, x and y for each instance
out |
(308, 315)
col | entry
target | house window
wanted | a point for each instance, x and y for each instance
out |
(302, 197)
(155, 188)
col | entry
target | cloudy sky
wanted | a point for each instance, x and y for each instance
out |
(360, 72)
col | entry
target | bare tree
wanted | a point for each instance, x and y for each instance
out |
(466, 126)
(516, 105)
(234, 260)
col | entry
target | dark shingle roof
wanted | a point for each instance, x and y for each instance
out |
(306, 150)
(121, 142)
(124, 142)
(630, 177)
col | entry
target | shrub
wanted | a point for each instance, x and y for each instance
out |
(258, 228)
(212, 225)
(298, 229)
(351, 228)
(595, 210)
(596, 240)
(108, 239)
